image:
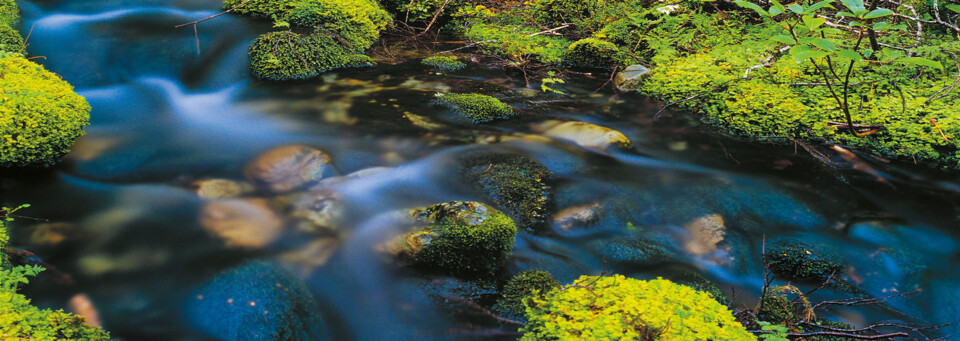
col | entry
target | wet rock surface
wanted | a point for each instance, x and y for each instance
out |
(287, 168)
(247, 223)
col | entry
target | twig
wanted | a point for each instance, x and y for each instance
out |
(852, 336)
(552, 30)
(196, 35)
(765, 62)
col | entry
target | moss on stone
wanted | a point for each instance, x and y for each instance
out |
(356, 22)
(461, 238)
(286, 56)
(443, 63)
(525, 285)
(620, 308)
(592, 53)
(479, 108)
(798, 261)
(516, 183)
(9, 13)
(10, 39)
(40, 114)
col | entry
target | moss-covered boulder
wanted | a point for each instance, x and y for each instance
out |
(40, 114)
(256, 301)
(459, 238)
(10, 39)
(357, 23)
(620, 308)
(797, 261)
(287, 55)
(479, 108)
(9, 13)
(443, 63)
(523, 286)
(592, 53)
(515, 183)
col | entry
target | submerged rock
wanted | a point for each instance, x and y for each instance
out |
(587, 135)
(704, 233)
(249, 223)
(287, 168)
(578, 216)
(256, 301)
(459, 238)
(318, 211)
(802, 262)
(220, 188)
(631, 78)
(516, 183)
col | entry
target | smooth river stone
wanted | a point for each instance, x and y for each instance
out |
(220, 188)
(631, 78)
(287, 168)
(588, 135)
(247, 223)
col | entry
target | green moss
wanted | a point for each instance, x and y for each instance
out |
(40, 115)
(592, 53)
(516, 183)
(462, 238)
(443, 63)
(620, 308)
(527, 284)
(479, 108)
(516, 43)
(10, 39)
(20, 320)
(796, 261)
(357, 23)
(9, 13)
(286, 55)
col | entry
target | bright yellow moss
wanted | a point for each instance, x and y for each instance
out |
(40, 115)
(620, 308)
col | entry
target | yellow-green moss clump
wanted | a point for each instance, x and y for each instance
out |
(620, 308)
(461, 238)
(592, 53)
(21, 321)
(9, 13)
(287, 55)
(40, 114)
(479, 108)
(443, 63)
(10, 39)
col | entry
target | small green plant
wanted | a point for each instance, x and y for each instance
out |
(9, 13)
(777, 332)
(21, 320)
(524, 285)
(620, 308)
(545, 84)
(831, 52)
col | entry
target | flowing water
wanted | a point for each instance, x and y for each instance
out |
(124, 223)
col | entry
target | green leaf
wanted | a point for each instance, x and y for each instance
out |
(819, 5)
(813, 23)
(753, 6)
(785, 39)
(844, 14)
(881, 25)
(860, 13)
(920, 61)
(854, 5)
(824, 44)
(849, 55)
(877, 13)
(775, 11)
(953, 7)
(777, 6)
(796, 8)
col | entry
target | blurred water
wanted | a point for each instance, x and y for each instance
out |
(163, 117)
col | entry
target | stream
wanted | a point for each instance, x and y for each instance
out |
(123, 223)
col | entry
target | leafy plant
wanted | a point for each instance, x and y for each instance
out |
(778, 331)
(831, 52)
(549, 80)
